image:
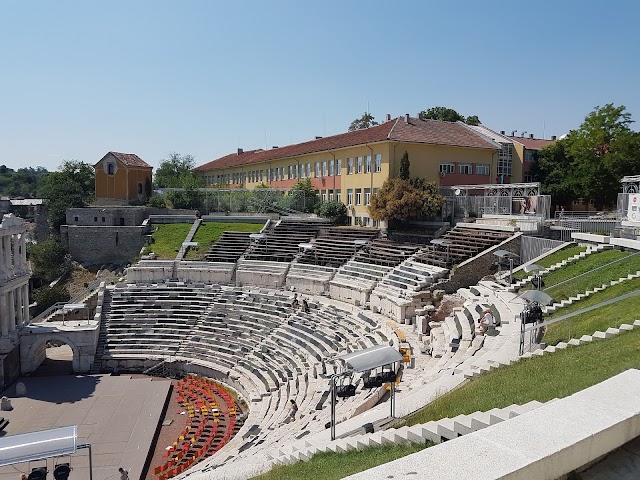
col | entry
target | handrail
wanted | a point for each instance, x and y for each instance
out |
(591, 271)
(583, 310)
(75, 299)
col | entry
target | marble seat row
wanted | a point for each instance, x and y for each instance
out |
(334, 246)
(229, 247)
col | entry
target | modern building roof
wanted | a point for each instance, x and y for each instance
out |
(128, 159)
(532, 143)
(487, 132)
(414, 130)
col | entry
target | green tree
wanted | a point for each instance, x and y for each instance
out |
(552, 168)
(48, 260)
(432, 200)
(591, 160)
(473, 120)
(367, 120)
(305, 196)
(176, 172)
(47, 296)
(72, 186)
(396, 200)
(404, 166)
(20, 183)
(336, 211)
(442, 113)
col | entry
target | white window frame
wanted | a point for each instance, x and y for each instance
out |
(378, 162)
(447, 167)
(465, 168)
(339, 167)
(367, 164)
(350, 166)
(483, 169)
(358, 196)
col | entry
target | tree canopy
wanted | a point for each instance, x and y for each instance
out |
(365, 121)
(71, 186)
(175, 171)
(590, 161)
(448, 115)
(20, 183)
(404, 166)
(400, 199)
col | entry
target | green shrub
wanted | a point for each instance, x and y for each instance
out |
(47, 296)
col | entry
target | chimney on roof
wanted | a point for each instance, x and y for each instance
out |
(406, 118)
(240, 151)
(275, 146)
(531, 136)
(553, 138)
(501, 132)
(318, 137)
(388, 117)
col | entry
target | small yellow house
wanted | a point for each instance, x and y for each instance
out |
(122, 179)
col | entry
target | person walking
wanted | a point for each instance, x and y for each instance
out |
(293, 410)
(124, 474)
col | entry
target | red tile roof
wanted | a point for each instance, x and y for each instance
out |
(129, 159)
(532, 143)
(418, 131)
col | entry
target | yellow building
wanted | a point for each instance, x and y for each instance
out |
(122, 178)
(349, 167)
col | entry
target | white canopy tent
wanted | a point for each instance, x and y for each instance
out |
(38, 445)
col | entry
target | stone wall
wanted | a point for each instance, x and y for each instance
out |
(99, 245)
(471, 271)
(9, 367)
(118, 215)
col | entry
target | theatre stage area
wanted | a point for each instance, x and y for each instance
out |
(117, 415)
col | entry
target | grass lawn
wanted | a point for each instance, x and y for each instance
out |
(538, 378)
(625, 311)
(209, 233)
(330, 466)
(552, 259)
(591, 278)
(168, 238)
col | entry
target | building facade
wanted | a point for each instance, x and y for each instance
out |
(14, 294)
(122, 179)
(352, 166)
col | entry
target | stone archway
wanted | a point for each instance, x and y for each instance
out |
(33, 355)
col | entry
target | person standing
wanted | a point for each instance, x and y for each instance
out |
(293, 410)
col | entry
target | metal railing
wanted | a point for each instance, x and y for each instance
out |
(75, 299)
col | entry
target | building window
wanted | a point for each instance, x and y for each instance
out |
(505, 161)
(289, 172)
(281, 173)
(295, 170)
(339, 167)
(358, 196)
(331, 170)
(331, 195)
(367, 164)
(378, 161)
(338, 196)
(367, 196)
(103, 219)
(349, 166)
(447, 168)
(376, 223)
(308, 170)
(349, 196)
(529, 155)
(324, 195)
(75, 218)
(359, 165)
(527, 178)
(111, 169)
(324, 169)
(317, 169)
(465, 168)
(483, 169)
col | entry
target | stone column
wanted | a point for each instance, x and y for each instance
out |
(25, 305)
(7, 253)
(4, 316)
(3, 266)
(11, 300)
(19, 309)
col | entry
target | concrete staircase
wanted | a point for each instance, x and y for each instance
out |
(434, 431)
(590, 250)
(608, 333)
(96, 366)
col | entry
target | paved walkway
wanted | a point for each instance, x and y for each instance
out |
(117, 415)
(622, 464)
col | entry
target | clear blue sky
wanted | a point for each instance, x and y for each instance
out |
(80, 78)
